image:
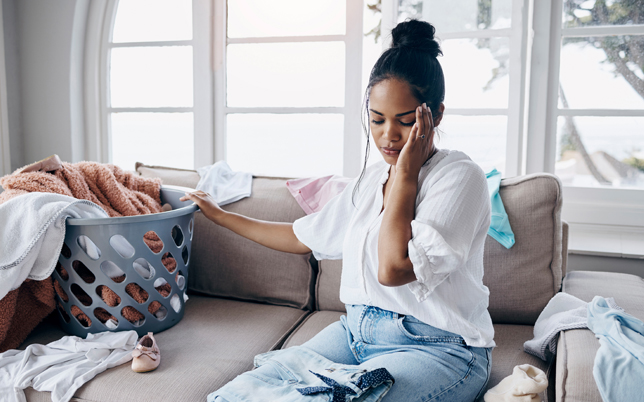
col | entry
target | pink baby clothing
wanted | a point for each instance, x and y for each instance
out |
(314, 192)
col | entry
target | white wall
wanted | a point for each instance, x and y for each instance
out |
(51, 79)
(12, 71)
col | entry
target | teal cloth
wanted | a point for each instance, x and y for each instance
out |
(500, 229)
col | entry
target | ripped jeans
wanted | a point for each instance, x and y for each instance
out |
(427, 364)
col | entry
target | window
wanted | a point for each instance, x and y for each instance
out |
(481, 43)
(600, 113)
(154, 71)
(595, 116)
(288, 99)
(276, 88)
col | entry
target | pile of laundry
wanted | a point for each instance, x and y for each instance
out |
(36, 201)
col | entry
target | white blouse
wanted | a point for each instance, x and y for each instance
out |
(446, 249)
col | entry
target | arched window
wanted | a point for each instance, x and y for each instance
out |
(153, 92)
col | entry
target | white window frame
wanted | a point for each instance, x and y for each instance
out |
(601, 210)
(98, 44)
(515, 112)
(351, 164)
(5, 151)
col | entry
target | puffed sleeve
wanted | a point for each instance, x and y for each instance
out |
(453, 212)
(323, 231)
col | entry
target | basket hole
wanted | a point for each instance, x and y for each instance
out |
(163, 287)
(60, 292)
(108, 296)
(181, 280)
(80, 294)
(89, 247)
(158, 310)
(63, 313)
(177, 235)
(133, 315)
(169, 262)
(122, 246)
(62, 271)
(81, 317)
(185, 255)
(153, 241)
(143, 268)
(136, 292)
(112, 271)
(106, 318)
(82, 271)
(66, 252)
(191, 226)
(175, 302)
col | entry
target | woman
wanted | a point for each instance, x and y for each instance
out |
(410, 231)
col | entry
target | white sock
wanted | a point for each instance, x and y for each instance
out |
(523, 385)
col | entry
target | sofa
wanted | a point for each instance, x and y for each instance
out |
(246, 299)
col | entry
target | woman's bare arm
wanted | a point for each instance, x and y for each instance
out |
(394, 266)
(276, 235)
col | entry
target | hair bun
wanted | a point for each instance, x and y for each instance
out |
(417, 35)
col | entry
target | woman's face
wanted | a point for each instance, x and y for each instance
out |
(392, 114)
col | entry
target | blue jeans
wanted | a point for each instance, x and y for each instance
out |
(427, 364)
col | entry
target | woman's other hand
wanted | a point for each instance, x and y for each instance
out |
(420, 144)
(206, 203)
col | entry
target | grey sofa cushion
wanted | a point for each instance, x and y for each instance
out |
(576, 349)
(522, 279)
(216, 341)
(228, 265)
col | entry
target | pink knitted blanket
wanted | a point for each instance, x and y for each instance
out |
(118, 192)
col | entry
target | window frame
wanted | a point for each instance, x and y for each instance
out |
(535, 41)
(613, 209)
(98, 45)
(352, 38)
(518, 37)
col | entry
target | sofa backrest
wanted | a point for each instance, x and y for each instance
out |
(225, 264)
(521, 279)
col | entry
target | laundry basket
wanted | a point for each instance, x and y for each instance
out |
(126, 273)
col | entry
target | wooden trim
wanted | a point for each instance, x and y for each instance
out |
(607, 30)
(290, 39)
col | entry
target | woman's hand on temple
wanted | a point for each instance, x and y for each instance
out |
(419, 145)
(206, 203)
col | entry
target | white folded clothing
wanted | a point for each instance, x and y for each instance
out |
(224, 185)
(32, 235)
(63, 366)
(523, 385)
(563, 312)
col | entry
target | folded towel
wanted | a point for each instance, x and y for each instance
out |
(523, 385)
(224, 185)
(33, 233)
(563, 312)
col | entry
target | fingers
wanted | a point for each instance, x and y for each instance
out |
(429, 122)
(194, 196)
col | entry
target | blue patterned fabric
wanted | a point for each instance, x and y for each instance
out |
(293, 375)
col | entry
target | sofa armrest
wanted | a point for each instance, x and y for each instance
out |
(576, 349)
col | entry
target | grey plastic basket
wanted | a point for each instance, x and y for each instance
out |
(174, 228)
